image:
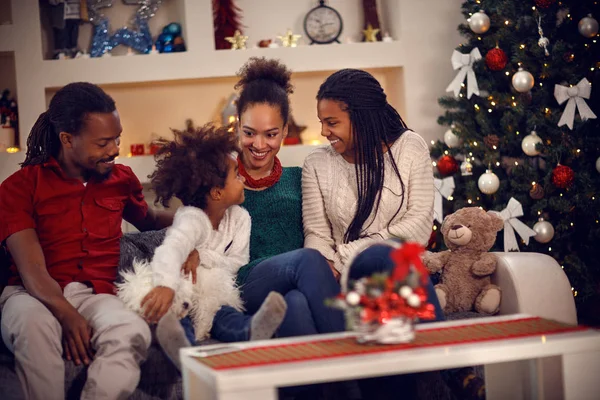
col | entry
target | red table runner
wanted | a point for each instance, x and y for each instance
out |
(324, 349)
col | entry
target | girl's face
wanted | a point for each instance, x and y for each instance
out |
(233, 191)
(261, 133)
(336, 127)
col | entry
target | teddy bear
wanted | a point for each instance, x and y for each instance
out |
(467, 266)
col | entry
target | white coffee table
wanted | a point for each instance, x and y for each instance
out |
(554, 366)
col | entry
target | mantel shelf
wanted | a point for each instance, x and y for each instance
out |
(223, 63)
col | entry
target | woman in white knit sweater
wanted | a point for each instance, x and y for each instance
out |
(374, 182)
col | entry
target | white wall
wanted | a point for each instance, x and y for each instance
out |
(427, 29)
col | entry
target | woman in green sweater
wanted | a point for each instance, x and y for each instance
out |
(274, 200)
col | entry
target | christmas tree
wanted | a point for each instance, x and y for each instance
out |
(522, 124)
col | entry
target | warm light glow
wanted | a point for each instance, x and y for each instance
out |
(493, 103)
(549, 248)
(571, 224)
(432, 142)
(434, 164)
(452, 198)
(489, 110)
(469, 201)
(315, 142)
(470, 154)
(12, 150)
(521, 47)
(462, 85)
(514, 104)
(539, 213)
(231, 119)
(578, 150)
(494, 147)
(129, 155)
(435, 228)
(476, 107)
(533, 183)
(541, 84)
(497, 163)
(507, 74)
(475, 144)
(533, 8)
(446, 152)
(516, 163)
(506, 22)
(546, 110)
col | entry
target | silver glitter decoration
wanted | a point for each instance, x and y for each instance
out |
(543, 42)
(138, 37)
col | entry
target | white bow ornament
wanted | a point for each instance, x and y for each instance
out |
(513, 210)
(465, 63)
(576, 95)
(443, 188)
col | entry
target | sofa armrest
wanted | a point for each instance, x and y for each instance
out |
(534, 283)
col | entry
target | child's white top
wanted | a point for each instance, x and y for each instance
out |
(330, 197)
(228, 247)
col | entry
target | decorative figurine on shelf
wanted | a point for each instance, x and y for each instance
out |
(323, 24)
(383, 308)
(8, 122)
(372, 29)
(170, 40)
(138, 38)
(65, 18)
(294, 131)
(226, 21)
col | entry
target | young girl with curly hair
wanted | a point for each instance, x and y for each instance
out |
(200, 168)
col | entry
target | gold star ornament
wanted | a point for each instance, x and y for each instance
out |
(289, 39)
(370, 33)
(238, 41)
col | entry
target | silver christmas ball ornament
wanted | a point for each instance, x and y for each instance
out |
(479, 22)
(523, 81)
(598, 164)
(451, 139)
(588, 26)
(488, 182)
(544, 231)
(529, 144)
(353, 298)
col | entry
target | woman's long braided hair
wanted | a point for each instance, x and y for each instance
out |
(66, 113)
(375, 126)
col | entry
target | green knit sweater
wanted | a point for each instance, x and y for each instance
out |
(276, 215)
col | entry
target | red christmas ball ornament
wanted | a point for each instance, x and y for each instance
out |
(447, 165)
(562, 176)
(544, 3)
(496, 59)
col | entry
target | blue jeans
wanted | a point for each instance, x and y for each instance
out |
(376, 258)
(304, 279)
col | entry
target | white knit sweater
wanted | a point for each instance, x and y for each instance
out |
(330, 196)
(222, 253)
(228, 247)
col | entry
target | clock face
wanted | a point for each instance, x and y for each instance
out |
(323, 25)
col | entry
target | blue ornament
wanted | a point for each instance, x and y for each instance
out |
(139, 40)
(173, 28)
(167, 38)
(168, 48)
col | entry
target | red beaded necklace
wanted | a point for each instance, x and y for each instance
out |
(261, 183)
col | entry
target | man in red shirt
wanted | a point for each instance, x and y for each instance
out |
(60, 217)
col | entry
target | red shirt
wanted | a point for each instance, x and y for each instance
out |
(79, 226)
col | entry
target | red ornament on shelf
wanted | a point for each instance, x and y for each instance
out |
(447, 165)
(562, 176)
(496, 59)
(137, 149)
(544, 3)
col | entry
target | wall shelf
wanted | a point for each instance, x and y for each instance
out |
(224, 63)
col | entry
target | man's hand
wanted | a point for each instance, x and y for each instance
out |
(157, 303)
(190, 266)
(336, 273)
(76, 337)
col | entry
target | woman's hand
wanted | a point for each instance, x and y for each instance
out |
(336, 273)
(190, 266)
(157, 303)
